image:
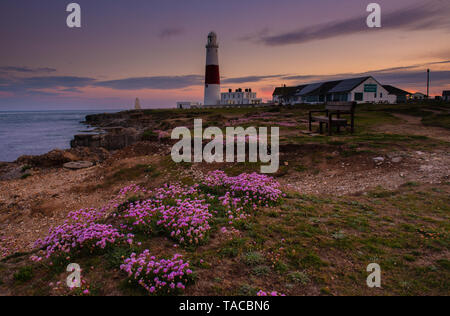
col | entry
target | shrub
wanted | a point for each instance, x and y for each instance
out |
(184, 220)
(80, 232)
(164, 277)
(187, 222)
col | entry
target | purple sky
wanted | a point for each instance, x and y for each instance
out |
(154, 50)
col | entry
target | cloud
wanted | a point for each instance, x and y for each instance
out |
(33, 85)
(170, 32)
(56, 82)
(156, 83)
(406, 75)
(27, 70)
(249, 79)
(426, 16)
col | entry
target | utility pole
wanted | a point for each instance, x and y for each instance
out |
(428, 83)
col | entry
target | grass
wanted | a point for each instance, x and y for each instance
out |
(130, 174)
(24, 274)
(438, 120)
(314, 245)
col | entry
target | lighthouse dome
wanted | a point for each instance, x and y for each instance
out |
(212, 38)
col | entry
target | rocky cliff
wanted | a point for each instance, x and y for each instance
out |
(122, 129)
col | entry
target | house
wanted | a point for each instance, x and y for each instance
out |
(418, 96)
(446, 95)
(360, 90)
(397, 95)
(239, 97)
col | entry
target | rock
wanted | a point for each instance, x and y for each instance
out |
(426, 168)
(78, 165)
(114, 138)
(378, 160)
(55, 158)
(397, 159)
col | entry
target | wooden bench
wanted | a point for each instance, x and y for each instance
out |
(334, 109)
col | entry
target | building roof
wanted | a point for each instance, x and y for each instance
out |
(396, 91)
(348, 85)
(446, 93)
(287, 91)
(321, 88)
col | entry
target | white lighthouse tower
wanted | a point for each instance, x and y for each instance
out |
(212, 77)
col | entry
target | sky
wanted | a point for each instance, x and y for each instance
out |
(155, 49)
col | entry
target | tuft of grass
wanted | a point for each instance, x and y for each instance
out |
(299, 277)
(116, 256)
(25, 176)
(24, 274)
(444, 263)
(247, 290)
(149, 135)
(312, 260)
(25, 168)
(261, 270)
(253, 258)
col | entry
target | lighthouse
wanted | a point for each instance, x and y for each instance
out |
(212, 76)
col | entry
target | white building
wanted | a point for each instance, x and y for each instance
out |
(239, 97)
(188, 105)
(137, 104)
(360, 90)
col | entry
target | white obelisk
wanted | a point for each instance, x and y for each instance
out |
(137, 104)
(212, 76)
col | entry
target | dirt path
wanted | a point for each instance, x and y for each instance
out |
(412, 125)
(418, 167)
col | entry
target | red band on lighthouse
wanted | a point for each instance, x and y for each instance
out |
(212, 75)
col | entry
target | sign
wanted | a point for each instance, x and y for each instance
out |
(370, 88)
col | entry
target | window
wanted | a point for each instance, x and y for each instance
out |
(381, 95)
(359, 96)
(375, 95)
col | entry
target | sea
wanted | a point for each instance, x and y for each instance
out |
(38, 132)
